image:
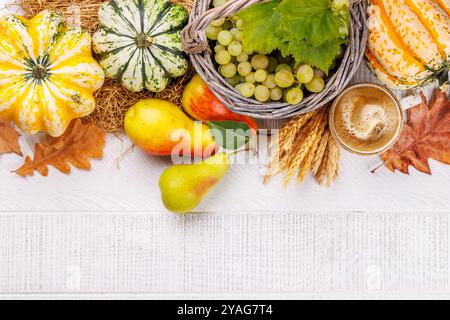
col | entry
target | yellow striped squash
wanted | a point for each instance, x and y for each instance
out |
(409, 41)
(47, 73)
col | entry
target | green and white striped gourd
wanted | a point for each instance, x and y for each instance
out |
(139, 43)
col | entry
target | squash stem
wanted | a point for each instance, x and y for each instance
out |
(40, 72)
(144, 41)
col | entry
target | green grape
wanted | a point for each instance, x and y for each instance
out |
(239, 24)
(262, 93)
(239, 35)
(238, 87)
(218, 22)
(283, 66)
(316, 85)
(250, 78)
(270, 81)
(276, 94)
(234, 32)
(272, 65)
(219, 47)
(212, 32)
(228, 70)
(260, 75)
(284, 79)
(305, 74)
(241, 79)
(294, 96)
(225, 37)
(244, 68)
(219, 3)
(234, 81)
(247, 90)
(222, 57)
(235, 48)
(260, 62)
(242, 57)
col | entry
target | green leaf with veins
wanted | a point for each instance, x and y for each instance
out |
(260, 22)
(313, 21)
(231, 135)
(321, 57)
(312, 31)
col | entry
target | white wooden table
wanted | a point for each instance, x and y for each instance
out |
(106, 232)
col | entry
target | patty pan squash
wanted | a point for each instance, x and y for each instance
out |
(138, 43)
(47, 73)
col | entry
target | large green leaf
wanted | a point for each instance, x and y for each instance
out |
(313, 21)
(230, 135)
(260, 22)
(312, 31)
(321, 57)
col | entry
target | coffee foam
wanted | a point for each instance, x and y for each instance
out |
(366, 119)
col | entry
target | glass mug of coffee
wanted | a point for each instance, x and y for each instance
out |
(366, 119)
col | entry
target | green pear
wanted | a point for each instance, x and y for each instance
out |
(184, 186)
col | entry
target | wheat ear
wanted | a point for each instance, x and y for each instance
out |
(292, 129)
(306, 139)
(329, 168)
(308, 161)
(282, 145)
(320, 152)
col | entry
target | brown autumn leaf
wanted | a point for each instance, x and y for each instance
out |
(79, 143)
(425, 136)
(9, 138)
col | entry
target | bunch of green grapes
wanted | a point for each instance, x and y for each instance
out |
(259, 75)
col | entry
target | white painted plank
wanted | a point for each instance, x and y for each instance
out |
(362, 254)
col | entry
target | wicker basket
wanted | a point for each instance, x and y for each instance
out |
(196, 45)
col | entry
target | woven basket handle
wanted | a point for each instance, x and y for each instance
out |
(193, 36)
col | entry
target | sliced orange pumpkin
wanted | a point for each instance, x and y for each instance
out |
(435, 19)
(414, 34)
(409, 41)
(389, 48)
(382, 75)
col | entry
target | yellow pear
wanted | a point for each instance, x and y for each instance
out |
(183, 187)
(159, 127)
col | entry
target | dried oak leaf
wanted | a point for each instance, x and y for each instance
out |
(9, 139)
(425, 136)
(79, 143)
